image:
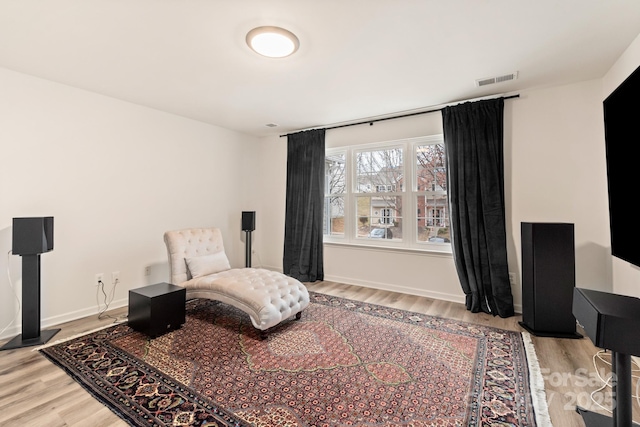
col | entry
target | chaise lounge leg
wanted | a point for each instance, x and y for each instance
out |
(298, 315)
(263, 335)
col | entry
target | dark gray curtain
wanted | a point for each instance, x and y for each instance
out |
(305, 200)
(473, 138)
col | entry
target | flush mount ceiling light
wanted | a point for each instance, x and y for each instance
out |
(273, 42)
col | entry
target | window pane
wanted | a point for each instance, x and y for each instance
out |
(334, 172)
(433, 219)
(430, 170)
(333, 216)
(379, 217)
(379, 171)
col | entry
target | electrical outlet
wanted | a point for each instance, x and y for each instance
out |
(115, 277)
(512, 278)
(99, 278)
(147, 271)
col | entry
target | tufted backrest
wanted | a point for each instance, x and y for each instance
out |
(188, 243)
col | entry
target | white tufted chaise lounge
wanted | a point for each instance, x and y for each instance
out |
(198, 263)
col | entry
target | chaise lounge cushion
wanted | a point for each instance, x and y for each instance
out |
(269, 297)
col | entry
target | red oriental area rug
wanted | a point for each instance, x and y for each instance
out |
(344, 363)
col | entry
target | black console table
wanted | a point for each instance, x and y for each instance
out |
(611, 322)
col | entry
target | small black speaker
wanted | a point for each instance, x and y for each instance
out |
(248, 220)
(32, 236)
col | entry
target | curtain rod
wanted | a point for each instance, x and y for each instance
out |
(372, 121)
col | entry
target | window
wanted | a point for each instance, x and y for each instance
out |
(334, 189)
(391, 193)
(380, 169)
(431, 193)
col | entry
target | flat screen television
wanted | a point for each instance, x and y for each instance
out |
(622, 142)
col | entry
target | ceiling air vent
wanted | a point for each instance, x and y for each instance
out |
(497, 79)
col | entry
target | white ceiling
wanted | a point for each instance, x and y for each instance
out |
(357, 58)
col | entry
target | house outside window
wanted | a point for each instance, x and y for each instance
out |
(392, 193)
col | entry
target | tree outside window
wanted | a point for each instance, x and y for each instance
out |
(380, 183)
(431, 189)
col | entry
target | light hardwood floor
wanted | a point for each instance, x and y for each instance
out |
(34, 392)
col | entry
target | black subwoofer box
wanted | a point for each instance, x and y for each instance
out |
(548, 279)
(157, 309)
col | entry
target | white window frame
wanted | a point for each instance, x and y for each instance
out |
(409, 196)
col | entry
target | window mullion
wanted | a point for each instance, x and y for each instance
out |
(349, 196)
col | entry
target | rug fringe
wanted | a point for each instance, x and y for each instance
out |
(78, 335)
(536, 383)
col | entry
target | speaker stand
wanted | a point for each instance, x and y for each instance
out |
(31, 333)
(20, 341)
(247, 249)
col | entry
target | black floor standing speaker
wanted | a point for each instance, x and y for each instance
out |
(548, 279)
(31, 237)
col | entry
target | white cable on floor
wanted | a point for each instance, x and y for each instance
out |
(14, 294)
(607, 383)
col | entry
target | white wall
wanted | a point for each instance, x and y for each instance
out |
(558, 172)
(114, 176)
(626, 277)
(554, 172)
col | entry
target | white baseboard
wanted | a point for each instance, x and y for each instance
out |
(270, 267)
(406, 290)
(63, 318)
(388, 287)
(78, 314)
(398, 288)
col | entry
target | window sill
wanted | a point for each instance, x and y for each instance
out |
(444, 252)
